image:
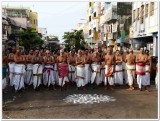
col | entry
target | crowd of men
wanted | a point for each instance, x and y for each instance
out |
(84, 67)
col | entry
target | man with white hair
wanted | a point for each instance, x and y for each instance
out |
(140, 68)
(131, 67)
(37, 70)
(48, 71)
(62, 69)
(80, 70)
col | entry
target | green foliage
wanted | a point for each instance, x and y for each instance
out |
(30, 39)
(74, 39)
(54, 39)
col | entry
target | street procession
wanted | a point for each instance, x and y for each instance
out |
(82, 68)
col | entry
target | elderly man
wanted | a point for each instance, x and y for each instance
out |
(148, 70)
(62, 69)
(48, 72)
(19, 70)
(29, 68)
(80, 70)
(131, 67)
(37, 70)
(109, 68)
(118, 75)
(140, 68)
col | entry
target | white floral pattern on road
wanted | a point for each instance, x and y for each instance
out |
(88, 98)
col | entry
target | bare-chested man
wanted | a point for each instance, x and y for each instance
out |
(29, 68)
(109, 68)
(148, 70)
(72, 66)
(96, 75)
(125, 75)
(62, 69)
(118, 75)
(131, 67)
(37, 61)
(140, 68)
(11, 65)
(80, 70)
(48, 73)
(19, 70)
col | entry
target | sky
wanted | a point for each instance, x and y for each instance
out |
(57, 17)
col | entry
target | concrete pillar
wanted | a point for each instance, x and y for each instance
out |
(155, 45)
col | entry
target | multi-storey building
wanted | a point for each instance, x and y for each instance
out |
(22, 15)
(144, 30)
(43, 31)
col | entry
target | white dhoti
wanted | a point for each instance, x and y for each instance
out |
(11, 72)
(125, 75)
(18, 79)
(140, 71)
(4, 83)
(156, 80)
(80, 76)
(87, 73)
(131, 73)
(96, 76)
(147, 76)
(56, 73)
(71, 74)
(37, 75)
(29, 74)
(118, 75)
(48, 75)
(109, 75)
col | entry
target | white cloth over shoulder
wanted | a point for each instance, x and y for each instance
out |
(37, 75)
(18, 79)
(80, 76)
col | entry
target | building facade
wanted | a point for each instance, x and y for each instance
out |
(43, 31)
(144, 30)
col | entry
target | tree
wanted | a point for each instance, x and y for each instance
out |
(74, 39)
(54, 46)
(54, 39)
(30, 39)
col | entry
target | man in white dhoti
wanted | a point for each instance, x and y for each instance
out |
(131, 67)
(71, 66)
(118, 75)
(19, 70)
(37, 70)
(148, 68)
(96, 74)
(125, 75)
(80, 70)
(140, 68)
(48, 72)
(29, 68)
(109, 68)
(11, 64)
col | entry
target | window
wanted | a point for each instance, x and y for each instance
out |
(34, 21)
(142, 14)
(111, 28)
(95, 29)
(95, 14)
(90, 4)
(151, 8)
(89, 32)
(146, 10)
(138, 14)
(89, 18)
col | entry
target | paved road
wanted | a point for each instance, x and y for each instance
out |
(49, 104)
